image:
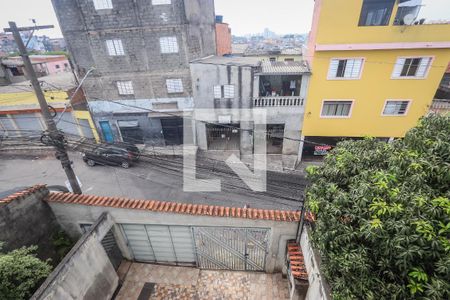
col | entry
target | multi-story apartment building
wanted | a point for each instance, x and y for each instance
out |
(140, 52)
(376, 65)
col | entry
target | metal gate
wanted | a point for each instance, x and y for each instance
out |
(160, 243)
(231, 248)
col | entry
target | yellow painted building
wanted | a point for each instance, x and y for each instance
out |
(372, 75)
(20, 113)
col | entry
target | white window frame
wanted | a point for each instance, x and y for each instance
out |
(115, 47)
(229, 91)
(161, 2)
(337, 100)
(168, 44)
(217, 91)
(352, 77)
(102, 4)
(396, 100)
(174, 85)
(125, 87)
(400, 62)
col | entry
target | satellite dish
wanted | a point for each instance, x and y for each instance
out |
(409, 19)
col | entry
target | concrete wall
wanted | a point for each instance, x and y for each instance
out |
(71, 215)
(86, 272)
(318, 287)
(29, 221)
(205, 76)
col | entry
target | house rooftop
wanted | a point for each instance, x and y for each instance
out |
(229, 60)
(55, 82)
(291, 51)
(284, 67)
(267, 50)
(239, 48)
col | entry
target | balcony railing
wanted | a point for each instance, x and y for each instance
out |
(277, 101)
(440, 106)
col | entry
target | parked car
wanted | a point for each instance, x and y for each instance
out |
(114, 155)
(131, 148)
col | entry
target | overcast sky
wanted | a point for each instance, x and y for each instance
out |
(280, 16)
(244, 16)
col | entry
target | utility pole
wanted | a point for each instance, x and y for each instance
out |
(57, 138)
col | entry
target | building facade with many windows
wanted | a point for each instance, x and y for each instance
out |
(139, 52)
(375, 69)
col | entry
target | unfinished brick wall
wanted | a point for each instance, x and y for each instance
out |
(139, 25)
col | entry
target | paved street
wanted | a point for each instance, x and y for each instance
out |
(157, 178)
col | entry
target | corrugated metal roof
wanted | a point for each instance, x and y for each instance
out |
(285, 67)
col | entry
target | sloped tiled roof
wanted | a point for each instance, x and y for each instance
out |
(296, 261)
(22, 194)
(174, 207)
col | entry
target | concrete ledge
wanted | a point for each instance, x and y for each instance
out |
(86, 271)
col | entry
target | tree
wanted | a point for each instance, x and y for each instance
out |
(21, 272)
(383, 215)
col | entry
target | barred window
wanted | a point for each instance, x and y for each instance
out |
(217, 92)
(103, 4)
(174, 85)
(125, 87)
(168, 44)
(396, 108)
(224, 91)
(115, 47)
(336, 108)
(228, 91)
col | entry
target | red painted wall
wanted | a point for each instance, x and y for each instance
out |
(223, 39)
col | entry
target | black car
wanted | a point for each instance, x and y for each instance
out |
(131, 148)
(111, 155)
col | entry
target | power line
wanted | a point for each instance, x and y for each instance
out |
(169, 166)
(208, 123)
(54, 133)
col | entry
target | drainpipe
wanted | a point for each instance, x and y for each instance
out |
(300, 224)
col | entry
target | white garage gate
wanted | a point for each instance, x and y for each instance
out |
(160, 243)
(228, 248)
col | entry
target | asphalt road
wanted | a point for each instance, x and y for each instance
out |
(154, 178)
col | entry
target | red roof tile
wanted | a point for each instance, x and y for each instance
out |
(310, 217)
(23, 193)
(175, 207)
(296, 261)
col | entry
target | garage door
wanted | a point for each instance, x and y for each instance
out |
(160, 243)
